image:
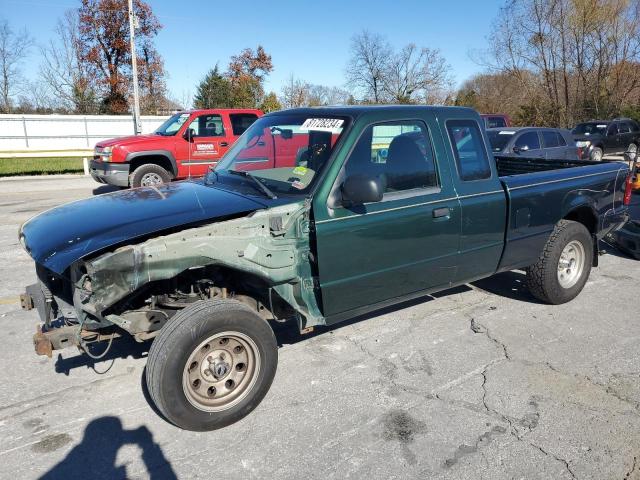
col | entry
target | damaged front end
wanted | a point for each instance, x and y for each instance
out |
(263, 259)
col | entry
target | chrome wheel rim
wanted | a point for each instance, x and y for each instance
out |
(633, 148)
(597, 155)
(571, 264)
(149, 179)
(221, 371)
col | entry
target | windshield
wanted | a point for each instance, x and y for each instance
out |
(592, 128)
(172, 124)
(284, 153)
(499, 139)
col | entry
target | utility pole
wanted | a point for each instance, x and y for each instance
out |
(134, 67)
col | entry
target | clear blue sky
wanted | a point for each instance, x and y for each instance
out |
(308, 39)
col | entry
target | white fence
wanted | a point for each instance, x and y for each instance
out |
(24, 133)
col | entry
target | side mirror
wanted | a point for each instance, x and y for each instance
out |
(523, 148)
(189, 134)
(360, 189)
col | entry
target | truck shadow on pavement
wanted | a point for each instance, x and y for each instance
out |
(95, 456)
(123, 347)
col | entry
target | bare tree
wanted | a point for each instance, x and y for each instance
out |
(416, 75)
(295, 92)
(370, 56)
(14, 47)
(63, 71)
(575, 59)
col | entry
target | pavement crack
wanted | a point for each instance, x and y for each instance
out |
(564, 462)
(627, 476)
(477, 327)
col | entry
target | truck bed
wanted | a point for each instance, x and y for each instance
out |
(539, 192)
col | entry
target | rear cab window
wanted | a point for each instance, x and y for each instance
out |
(469, 150)
(241, 121)
(495, 122)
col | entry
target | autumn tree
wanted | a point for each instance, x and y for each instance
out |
(214, 91)
(13, 49)
(104, 46)
(246, 74)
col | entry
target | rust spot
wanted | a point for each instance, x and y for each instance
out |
(41, 343)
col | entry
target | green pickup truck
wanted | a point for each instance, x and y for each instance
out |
(314, 216)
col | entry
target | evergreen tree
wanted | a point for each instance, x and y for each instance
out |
(214, 91)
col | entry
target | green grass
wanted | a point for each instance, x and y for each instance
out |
(39, 166)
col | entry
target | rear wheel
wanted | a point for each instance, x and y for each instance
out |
(596, 154)
(564, 266)
(148, 175)
(211, 364)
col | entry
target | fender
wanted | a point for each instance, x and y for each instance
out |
(147, 153)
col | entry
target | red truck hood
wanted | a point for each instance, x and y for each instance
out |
(131, 140)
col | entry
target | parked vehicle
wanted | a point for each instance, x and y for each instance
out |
(315, 236)
(496, 120)
(607, 137)
(186, 145)
(534, 142)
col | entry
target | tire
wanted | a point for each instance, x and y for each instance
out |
(149, 174)
(549, 283)
(596, 154)
(196, 333)
(632, 148)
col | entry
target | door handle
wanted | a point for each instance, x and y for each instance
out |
(224, 144)
(441, 212)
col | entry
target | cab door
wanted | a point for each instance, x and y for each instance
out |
(403, 245)
(207, 145)
(483, 201)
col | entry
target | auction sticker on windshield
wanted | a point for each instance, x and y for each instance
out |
(333, 125)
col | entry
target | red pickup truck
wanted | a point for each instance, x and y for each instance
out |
(185, 145)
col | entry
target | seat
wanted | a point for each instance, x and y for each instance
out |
(406, 166)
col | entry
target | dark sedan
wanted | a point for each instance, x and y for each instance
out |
(534, 142)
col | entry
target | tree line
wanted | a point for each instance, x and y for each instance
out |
(547, 62)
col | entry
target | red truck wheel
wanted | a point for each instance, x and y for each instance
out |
(211, 364)
(148, 175)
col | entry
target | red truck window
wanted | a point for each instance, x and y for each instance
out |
(207, 126)
(241, 121)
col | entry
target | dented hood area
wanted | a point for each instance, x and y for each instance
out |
(58, 237)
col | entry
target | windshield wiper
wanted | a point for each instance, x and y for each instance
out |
(263, 188)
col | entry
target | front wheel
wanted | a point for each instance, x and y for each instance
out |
(149, 175)
(211, 365)
(563, 268)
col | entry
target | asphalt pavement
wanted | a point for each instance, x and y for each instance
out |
(479, 382)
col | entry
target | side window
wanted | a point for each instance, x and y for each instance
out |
(469, 149)
(207, 126)
(624, 127)
(561, 141)
(241, 121)
(613, 129)
(634, 126)
(400, 153)
(528, 141)
(549, 138)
